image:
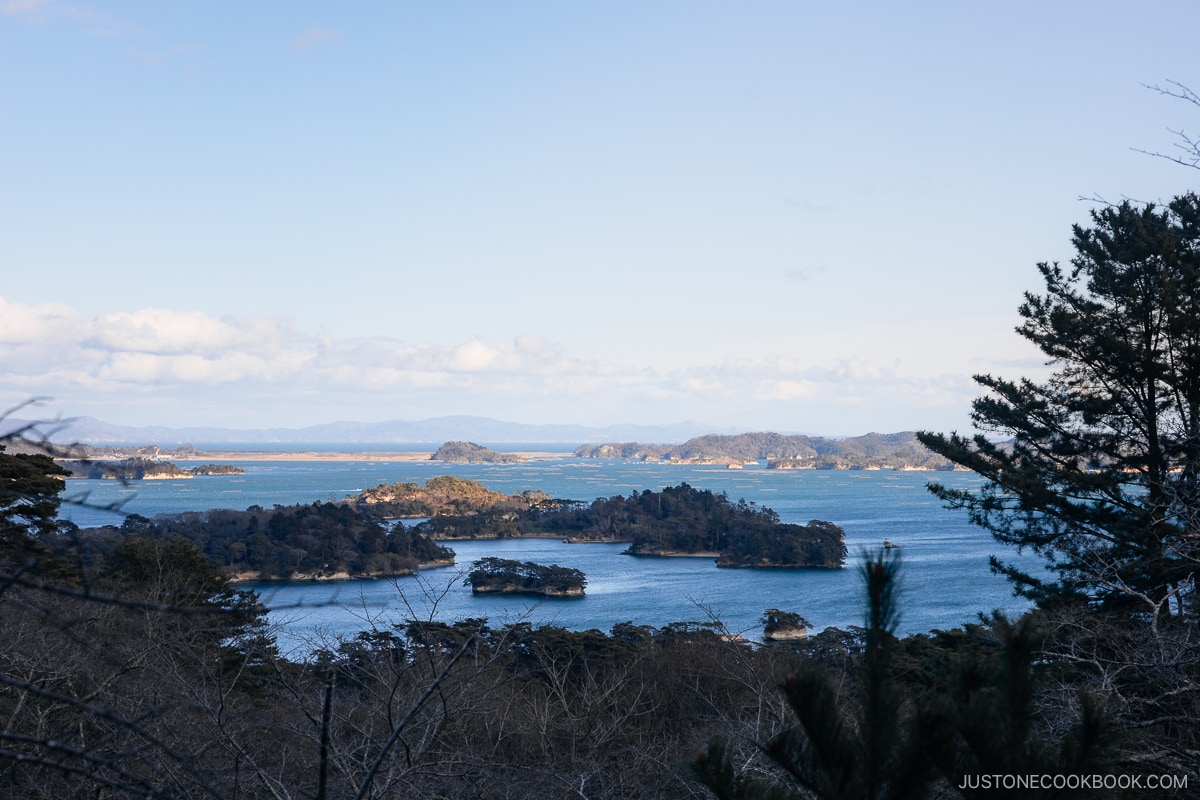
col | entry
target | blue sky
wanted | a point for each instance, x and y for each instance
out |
(789, 216)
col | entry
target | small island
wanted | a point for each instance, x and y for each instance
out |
(505, 576)
(784, 626)
(217, 469)
(471, 453)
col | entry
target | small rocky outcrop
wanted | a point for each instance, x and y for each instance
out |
(784, 626)
(217, 469)
(505, 576)
(469, 452)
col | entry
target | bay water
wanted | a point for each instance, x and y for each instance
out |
(946, 577)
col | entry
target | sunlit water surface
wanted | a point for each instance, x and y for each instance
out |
(947, 580)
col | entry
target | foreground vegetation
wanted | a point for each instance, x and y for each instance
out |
(144, 674)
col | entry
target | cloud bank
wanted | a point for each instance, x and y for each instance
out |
(167, 367)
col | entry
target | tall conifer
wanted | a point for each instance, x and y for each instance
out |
(1096, 468)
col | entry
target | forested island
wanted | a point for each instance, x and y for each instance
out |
(679, 520)
(506, 576)
(871, 451)
(319, 541)
(469, 453)
(144, 469)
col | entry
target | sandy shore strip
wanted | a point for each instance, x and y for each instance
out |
(313, 455)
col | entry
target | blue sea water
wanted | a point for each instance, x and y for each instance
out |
(946, 578)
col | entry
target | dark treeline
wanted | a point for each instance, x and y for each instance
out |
(320, 540)
(679, 519)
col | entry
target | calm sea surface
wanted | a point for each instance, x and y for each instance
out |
(946, 577)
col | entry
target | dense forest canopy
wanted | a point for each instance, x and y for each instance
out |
(319, 540)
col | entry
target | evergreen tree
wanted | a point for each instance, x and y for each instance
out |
(988, 721)
(879, 742)
(29, 500)
(1098, 470)
(860, 747)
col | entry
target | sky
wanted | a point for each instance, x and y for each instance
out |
(788, 216)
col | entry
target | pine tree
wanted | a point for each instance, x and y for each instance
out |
(29, 500)
(1097, 469)
(989, 723)
(863, 747)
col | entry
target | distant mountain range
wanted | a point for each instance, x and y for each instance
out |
(437, 430)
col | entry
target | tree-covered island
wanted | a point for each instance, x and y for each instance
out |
(470, 453)
(506, 576)
(677, 521)
(319, 541)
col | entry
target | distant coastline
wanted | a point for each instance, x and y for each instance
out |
(317, 455)
(896, 451)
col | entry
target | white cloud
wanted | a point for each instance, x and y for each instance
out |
(49, 322)
(160, 331)
(184, 360)
(787, 390)
(475, 356)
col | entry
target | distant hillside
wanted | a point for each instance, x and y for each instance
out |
(872, 451)
(471, 453)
